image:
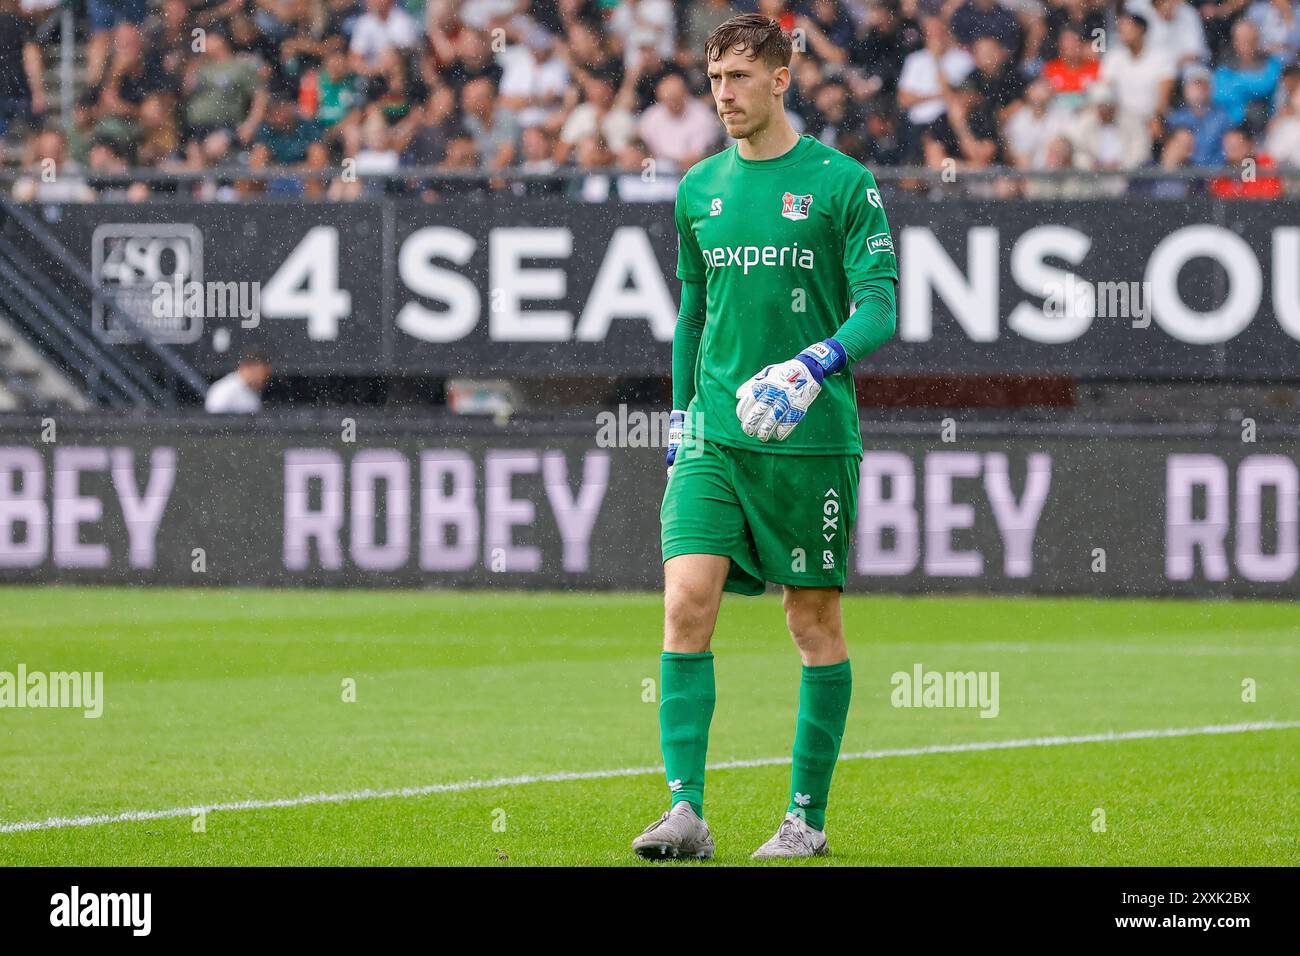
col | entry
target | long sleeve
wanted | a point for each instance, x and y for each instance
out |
(686, 342)
(872, 323)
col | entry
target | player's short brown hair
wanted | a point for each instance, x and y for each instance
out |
(759, 36)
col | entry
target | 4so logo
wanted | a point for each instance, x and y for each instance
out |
(129, 259)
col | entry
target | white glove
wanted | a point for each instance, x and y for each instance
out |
(777, 398)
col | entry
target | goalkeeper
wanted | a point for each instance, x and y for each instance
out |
(777, 236)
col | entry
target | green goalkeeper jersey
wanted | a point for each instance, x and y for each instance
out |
(783, 246)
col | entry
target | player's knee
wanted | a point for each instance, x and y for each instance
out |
(811, 618)
(687, 619)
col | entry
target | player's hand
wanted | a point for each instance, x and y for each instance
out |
(675, 423)
(778, 397)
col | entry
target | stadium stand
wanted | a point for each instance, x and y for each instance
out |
(146, 96)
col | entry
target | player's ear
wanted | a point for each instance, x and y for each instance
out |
(780, 80)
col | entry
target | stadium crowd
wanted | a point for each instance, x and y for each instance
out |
(616, 89)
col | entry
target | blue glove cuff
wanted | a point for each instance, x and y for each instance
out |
(824, 358)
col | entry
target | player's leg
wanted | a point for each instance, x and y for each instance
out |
(801, 521)
(692, 595)
(813, 617)
(702, 526)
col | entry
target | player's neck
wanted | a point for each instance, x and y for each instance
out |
(772, 141)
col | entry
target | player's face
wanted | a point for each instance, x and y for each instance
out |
(745, 91)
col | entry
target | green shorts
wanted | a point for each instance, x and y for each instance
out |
(780, 518)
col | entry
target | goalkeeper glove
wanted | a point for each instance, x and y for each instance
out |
(675, 423)
(777, 398)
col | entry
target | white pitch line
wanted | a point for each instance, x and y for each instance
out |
(133, 816)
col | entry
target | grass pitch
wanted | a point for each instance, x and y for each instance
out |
(219, 697)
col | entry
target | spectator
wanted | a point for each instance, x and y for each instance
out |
(1060, 157)
(986, 18)
(1239, 153)
(486, 14)
(806, 78)
(109, 20)
(827, 33)
(642, 23)
(158, 137)
(1278, 22)
(702, 18)
(54, 178)
(168, 41)
(370, 143)
(1141, 77)
(225, 92)
(594, 158)
(1287, 88)
(335, 91)
(883, 146)
(106, 159)
(1087, 18)
(284, 135)
(459, 156)
(1030, 129)
(586, 51)
(878, 54)
(533, 78)
(473, 58)
(967, 132)
(1073, 71)
(313, 33)
(1283, 142)
(1218, 18)
(422, 139)
(997, 80)
(1245, 80)
(927, 79)
(1201, 117)
(130, 77)
(240, 392)
(835, 120)
(315, 188)
(22, 72)
(392, 88)
(1173, 29)
(1175, 155)
(1106, 138)
(495, 130)
(383, 27)
(678, 129)
(599, 113)
(538, 149)
(642, 78)
(640, 181)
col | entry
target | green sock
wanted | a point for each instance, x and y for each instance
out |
(823, 709)
(685, 709)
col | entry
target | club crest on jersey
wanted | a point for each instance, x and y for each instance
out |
(794, 206)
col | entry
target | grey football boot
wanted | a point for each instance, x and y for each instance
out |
(678, 834)
(793, 838)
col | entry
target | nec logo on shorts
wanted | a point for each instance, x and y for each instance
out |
(794, 206)
(880, 242)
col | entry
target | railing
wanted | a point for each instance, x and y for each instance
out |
(899, 176)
